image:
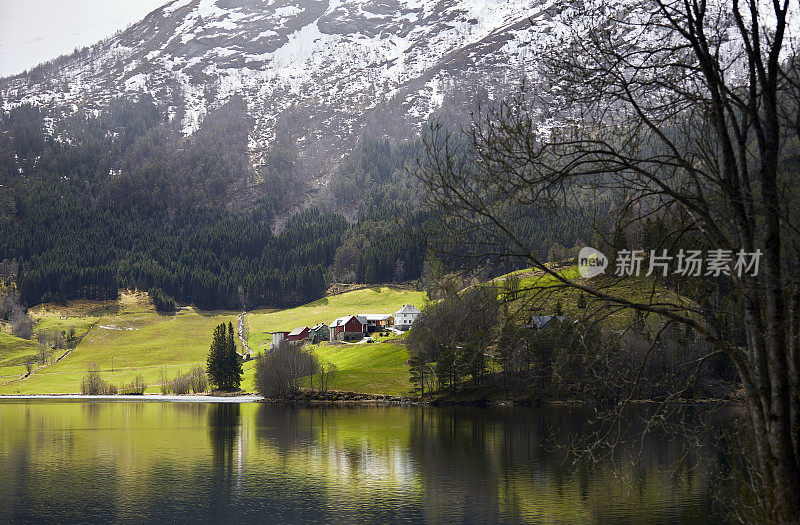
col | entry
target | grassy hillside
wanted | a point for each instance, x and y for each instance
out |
(378, 368)
(13, 354)
(543, 294)
(368, 300)
(127, 337)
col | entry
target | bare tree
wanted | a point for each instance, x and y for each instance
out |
(280, 370)
(21, 323)
(326, 375)
(665, 108)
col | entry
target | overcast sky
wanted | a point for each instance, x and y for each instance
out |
(34, 31)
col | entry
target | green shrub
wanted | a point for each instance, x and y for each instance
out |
(164, 382)
(92, 383)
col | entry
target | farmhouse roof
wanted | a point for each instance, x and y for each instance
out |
(298, 331)
(408, 309)
(343, 320)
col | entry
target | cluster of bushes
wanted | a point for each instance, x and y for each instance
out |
(471, 339)
(281, 371)
(93, 384)
(46, 342)
(193, 381)
(136, 387)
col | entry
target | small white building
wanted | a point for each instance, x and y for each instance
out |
(405, 317)
(277, 337)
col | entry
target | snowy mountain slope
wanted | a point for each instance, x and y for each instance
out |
(329, 71)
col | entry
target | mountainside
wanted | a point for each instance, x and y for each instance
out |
(238, 153)
(323, 72)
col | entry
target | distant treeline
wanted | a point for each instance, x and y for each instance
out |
(208, 257)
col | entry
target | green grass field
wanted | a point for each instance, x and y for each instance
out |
(376, 300)
(378, 368)
(13, 354)
(126, 338)
(544, 294)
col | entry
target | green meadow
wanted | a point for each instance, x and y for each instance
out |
(127, 338)
(378, 300)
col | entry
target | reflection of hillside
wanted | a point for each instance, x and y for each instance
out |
(228, 462)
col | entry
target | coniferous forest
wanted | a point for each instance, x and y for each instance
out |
(95, 204)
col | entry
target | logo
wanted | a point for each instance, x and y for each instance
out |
(591, 262)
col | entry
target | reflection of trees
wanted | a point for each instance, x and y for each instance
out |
(223, 427)
(289, 428)
(50, 465)
(491, 465)
(335, 465)
(92, 411)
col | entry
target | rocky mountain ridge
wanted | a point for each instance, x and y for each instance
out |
(324, 72)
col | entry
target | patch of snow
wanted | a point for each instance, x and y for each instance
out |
(288, 11)
(136, 82)
(174, 6)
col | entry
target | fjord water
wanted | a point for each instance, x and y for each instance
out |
(138, 462)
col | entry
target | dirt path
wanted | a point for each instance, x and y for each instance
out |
(242, 338)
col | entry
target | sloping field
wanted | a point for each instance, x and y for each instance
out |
(376, 300)
(127, 337)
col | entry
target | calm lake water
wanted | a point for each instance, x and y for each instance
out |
(69, 462)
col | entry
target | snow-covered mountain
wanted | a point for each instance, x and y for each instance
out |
(331, 71)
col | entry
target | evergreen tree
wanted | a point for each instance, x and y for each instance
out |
(217, 360)
(233, 361)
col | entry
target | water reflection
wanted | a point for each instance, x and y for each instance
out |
(259, 463)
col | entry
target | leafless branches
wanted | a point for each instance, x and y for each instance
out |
(687, 111)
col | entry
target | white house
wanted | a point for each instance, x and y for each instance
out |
(405, 317)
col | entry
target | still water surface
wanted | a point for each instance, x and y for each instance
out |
(67, 462)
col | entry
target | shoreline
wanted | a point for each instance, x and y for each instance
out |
(145, 398)
(330, 399)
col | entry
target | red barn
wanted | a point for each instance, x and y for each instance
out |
(349, 327)
(298, 334)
